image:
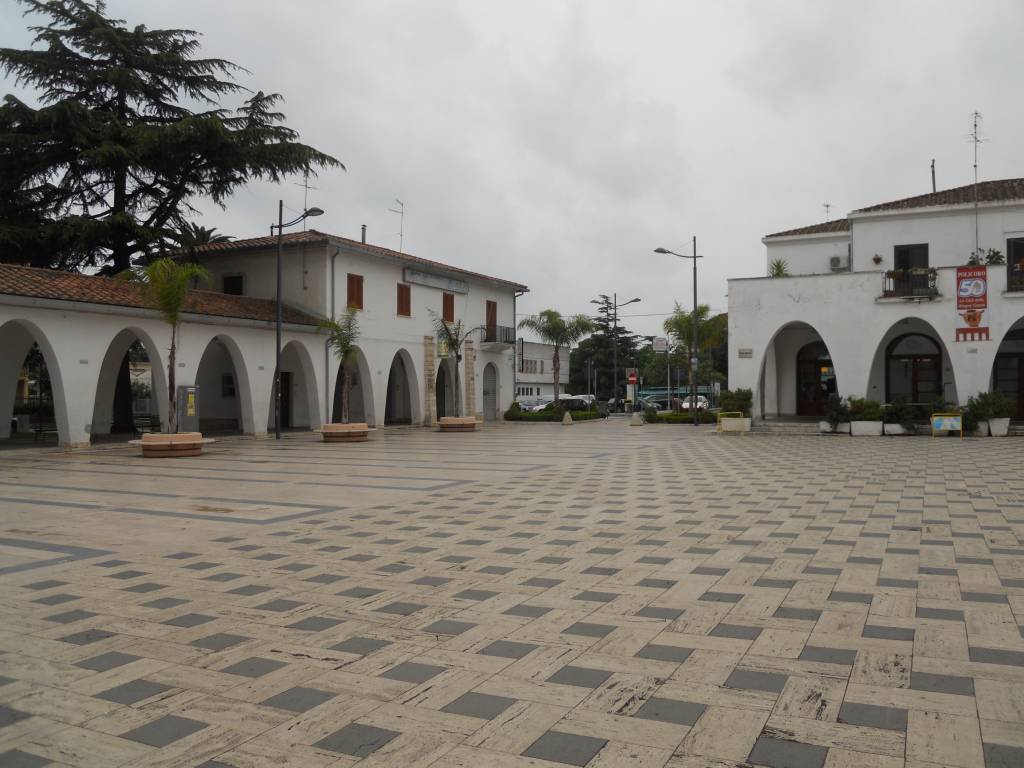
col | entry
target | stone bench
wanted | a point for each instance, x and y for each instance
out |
(345, 433)
(457, 423)
(156, 445)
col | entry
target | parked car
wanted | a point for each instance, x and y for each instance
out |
(650, 402)
(539, 404)
(569, 403)
(588, 398)
(702, 402)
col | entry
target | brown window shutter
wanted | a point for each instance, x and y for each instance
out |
(355, 291)
(448, 308)
(404, 300)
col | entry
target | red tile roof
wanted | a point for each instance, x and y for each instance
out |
(988, 192)
(838, 225)
(90, 289)
(313, 237)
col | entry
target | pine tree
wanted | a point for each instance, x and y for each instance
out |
(106, 167)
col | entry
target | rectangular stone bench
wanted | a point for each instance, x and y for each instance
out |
(457, 423)
(345, 433)
(156, 445)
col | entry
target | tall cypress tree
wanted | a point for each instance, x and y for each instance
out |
(107, 166)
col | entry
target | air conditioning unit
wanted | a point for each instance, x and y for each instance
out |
(839, 263)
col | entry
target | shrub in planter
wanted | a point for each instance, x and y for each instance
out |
(837, 411)
(736, 400)
(514, 412)
(969, 420)
(865, 417)
(997, 409)
(900, 415)
(682, 417)
(650, 414)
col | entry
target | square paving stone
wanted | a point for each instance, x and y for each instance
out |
(5, 680)
(567, 748)
(852, 597)
(220, 578)
(401, 609)
(996, 756)
(828, 655)
(529, 611)
(721, 597)
(480, 705)
(163, 603)
(778, 753)
(133, 692)
(497, 570)
(357, 740)
(219, 641)
(10, 716)
(802, 614)
(539, 581)
(431, 581)
(395, 568)
(449, 627)
(942, 614)
(189, 620)
(360, 645)
(164, 731)
(671, 711)
(145, 587)
(15, 758)
(249, 590)
(126, 575)
(315, 624)
(887, 633)
(996, 656)
(411, 672)
(475, 594)
(598, 570)
(70, 616)
(279, 606)
(736, 631)
(86, 637)
(589, 630)
(749, 680)
(657, 652)
(508, 649)
(926, 681)
(57, 599)
(47, 584)
(325, 578)
(106, 661)
(298, 699)
(652, 612)
(657, 583)
(871, 716)
(596, 597)
(201, 566)
(360, 592)
(182, 555)
(582, 677)
(254, 666)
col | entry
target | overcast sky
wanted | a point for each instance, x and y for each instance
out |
(558, 143)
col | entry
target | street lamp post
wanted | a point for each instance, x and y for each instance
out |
(693, 343)
(615, 343)
(281, 224)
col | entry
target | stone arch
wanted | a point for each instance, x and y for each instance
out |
(898, 367)
(446, 389)
(300, 402)
(1008, 367)
(490, 392)
(225, 392)
(402, 405)
(108, 388)
(16, 340)
(360, 398)
(783, 389)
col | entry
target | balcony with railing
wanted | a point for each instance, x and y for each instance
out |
(501, 335)
(918, 283)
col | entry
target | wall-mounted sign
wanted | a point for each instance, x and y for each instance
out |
(660, 344)
(432, 280)
(746, 353)
(971, 302)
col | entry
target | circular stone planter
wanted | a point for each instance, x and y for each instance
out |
(156, 445)
(457, 423)
(345, 433)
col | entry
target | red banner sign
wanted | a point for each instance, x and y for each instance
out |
(971, 302)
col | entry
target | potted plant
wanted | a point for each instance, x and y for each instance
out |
(342, 335)
(452, 337)
(998, 409)
(837, 416)
(735, 413)
(865, 417)
(898, 419)
(979, 409)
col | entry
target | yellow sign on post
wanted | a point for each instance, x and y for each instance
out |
(190, 403)
(948, 422)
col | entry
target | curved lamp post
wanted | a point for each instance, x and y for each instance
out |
(280, 226)
(615, 343)
(693, 344)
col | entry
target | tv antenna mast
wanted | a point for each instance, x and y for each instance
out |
(305, 194)
(401, 222)
(828, 209)
(976, 140)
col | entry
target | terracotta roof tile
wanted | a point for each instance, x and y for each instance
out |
(988, 192)
(837, 225)
(312, 237)
(90, 289)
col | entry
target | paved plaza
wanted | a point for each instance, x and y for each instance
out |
(529, 595)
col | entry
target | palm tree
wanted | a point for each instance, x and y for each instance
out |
(452, 336)
(165, 285)
(778, 268)
(191, 236)
(342, 335)
(558, 331)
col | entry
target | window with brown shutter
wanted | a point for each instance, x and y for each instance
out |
(404, 300)
(355, 291)
(448, 308)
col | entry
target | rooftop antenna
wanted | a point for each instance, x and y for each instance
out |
(933, 174)
(976, 140)
(828, 209)
(401, 221)
(305, 194)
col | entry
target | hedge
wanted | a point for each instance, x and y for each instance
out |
(551, 416)
(685, 417)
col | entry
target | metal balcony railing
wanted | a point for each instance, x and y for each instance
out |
(910, 283)
(498, 334)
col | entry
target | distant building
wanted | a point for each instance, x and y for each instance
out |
(534, 373)
(879, 305)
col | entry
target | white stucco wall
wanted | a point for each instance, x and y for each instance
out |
(807, 254)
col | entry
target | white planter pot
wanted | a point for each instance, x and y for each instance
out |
(998, 427)
(893, 429)
(866, 428)
(734, 424)
(842, 428)
(982, 430)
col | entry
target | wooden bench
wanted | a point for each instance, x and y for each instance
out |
(345, 433)
(457, 423)
(156, 445)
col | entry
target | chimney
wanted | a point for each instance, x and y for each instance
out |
(364, 233)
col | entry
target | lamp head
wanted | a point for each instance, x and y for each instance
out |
(631, 301)
(662, 250)
(314, 211)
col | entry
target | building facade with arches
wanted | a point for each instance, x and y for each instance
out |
(85, 332)
(869, 307)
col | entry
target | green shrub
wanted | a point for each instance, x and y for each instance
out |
(551, 416)
(970, 420)
(837, 411)
(514, 412)
(991, 405)
(736, 400)
(901, 413)
(685, 417)
(865, 409)
(650, 414)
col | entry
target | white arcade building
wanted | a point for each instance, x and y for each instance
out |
(871, 308)
(84, 327)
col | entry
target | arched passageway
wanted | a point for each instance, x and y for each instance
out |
(360, 390)
(911, 365)
(219, 400)
(131, 393)
(32, 397)
(402, 390)
(490, 392)
(797, 373)
(1008, 369)
(815, 379)
(299, 404)
(447, 389)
